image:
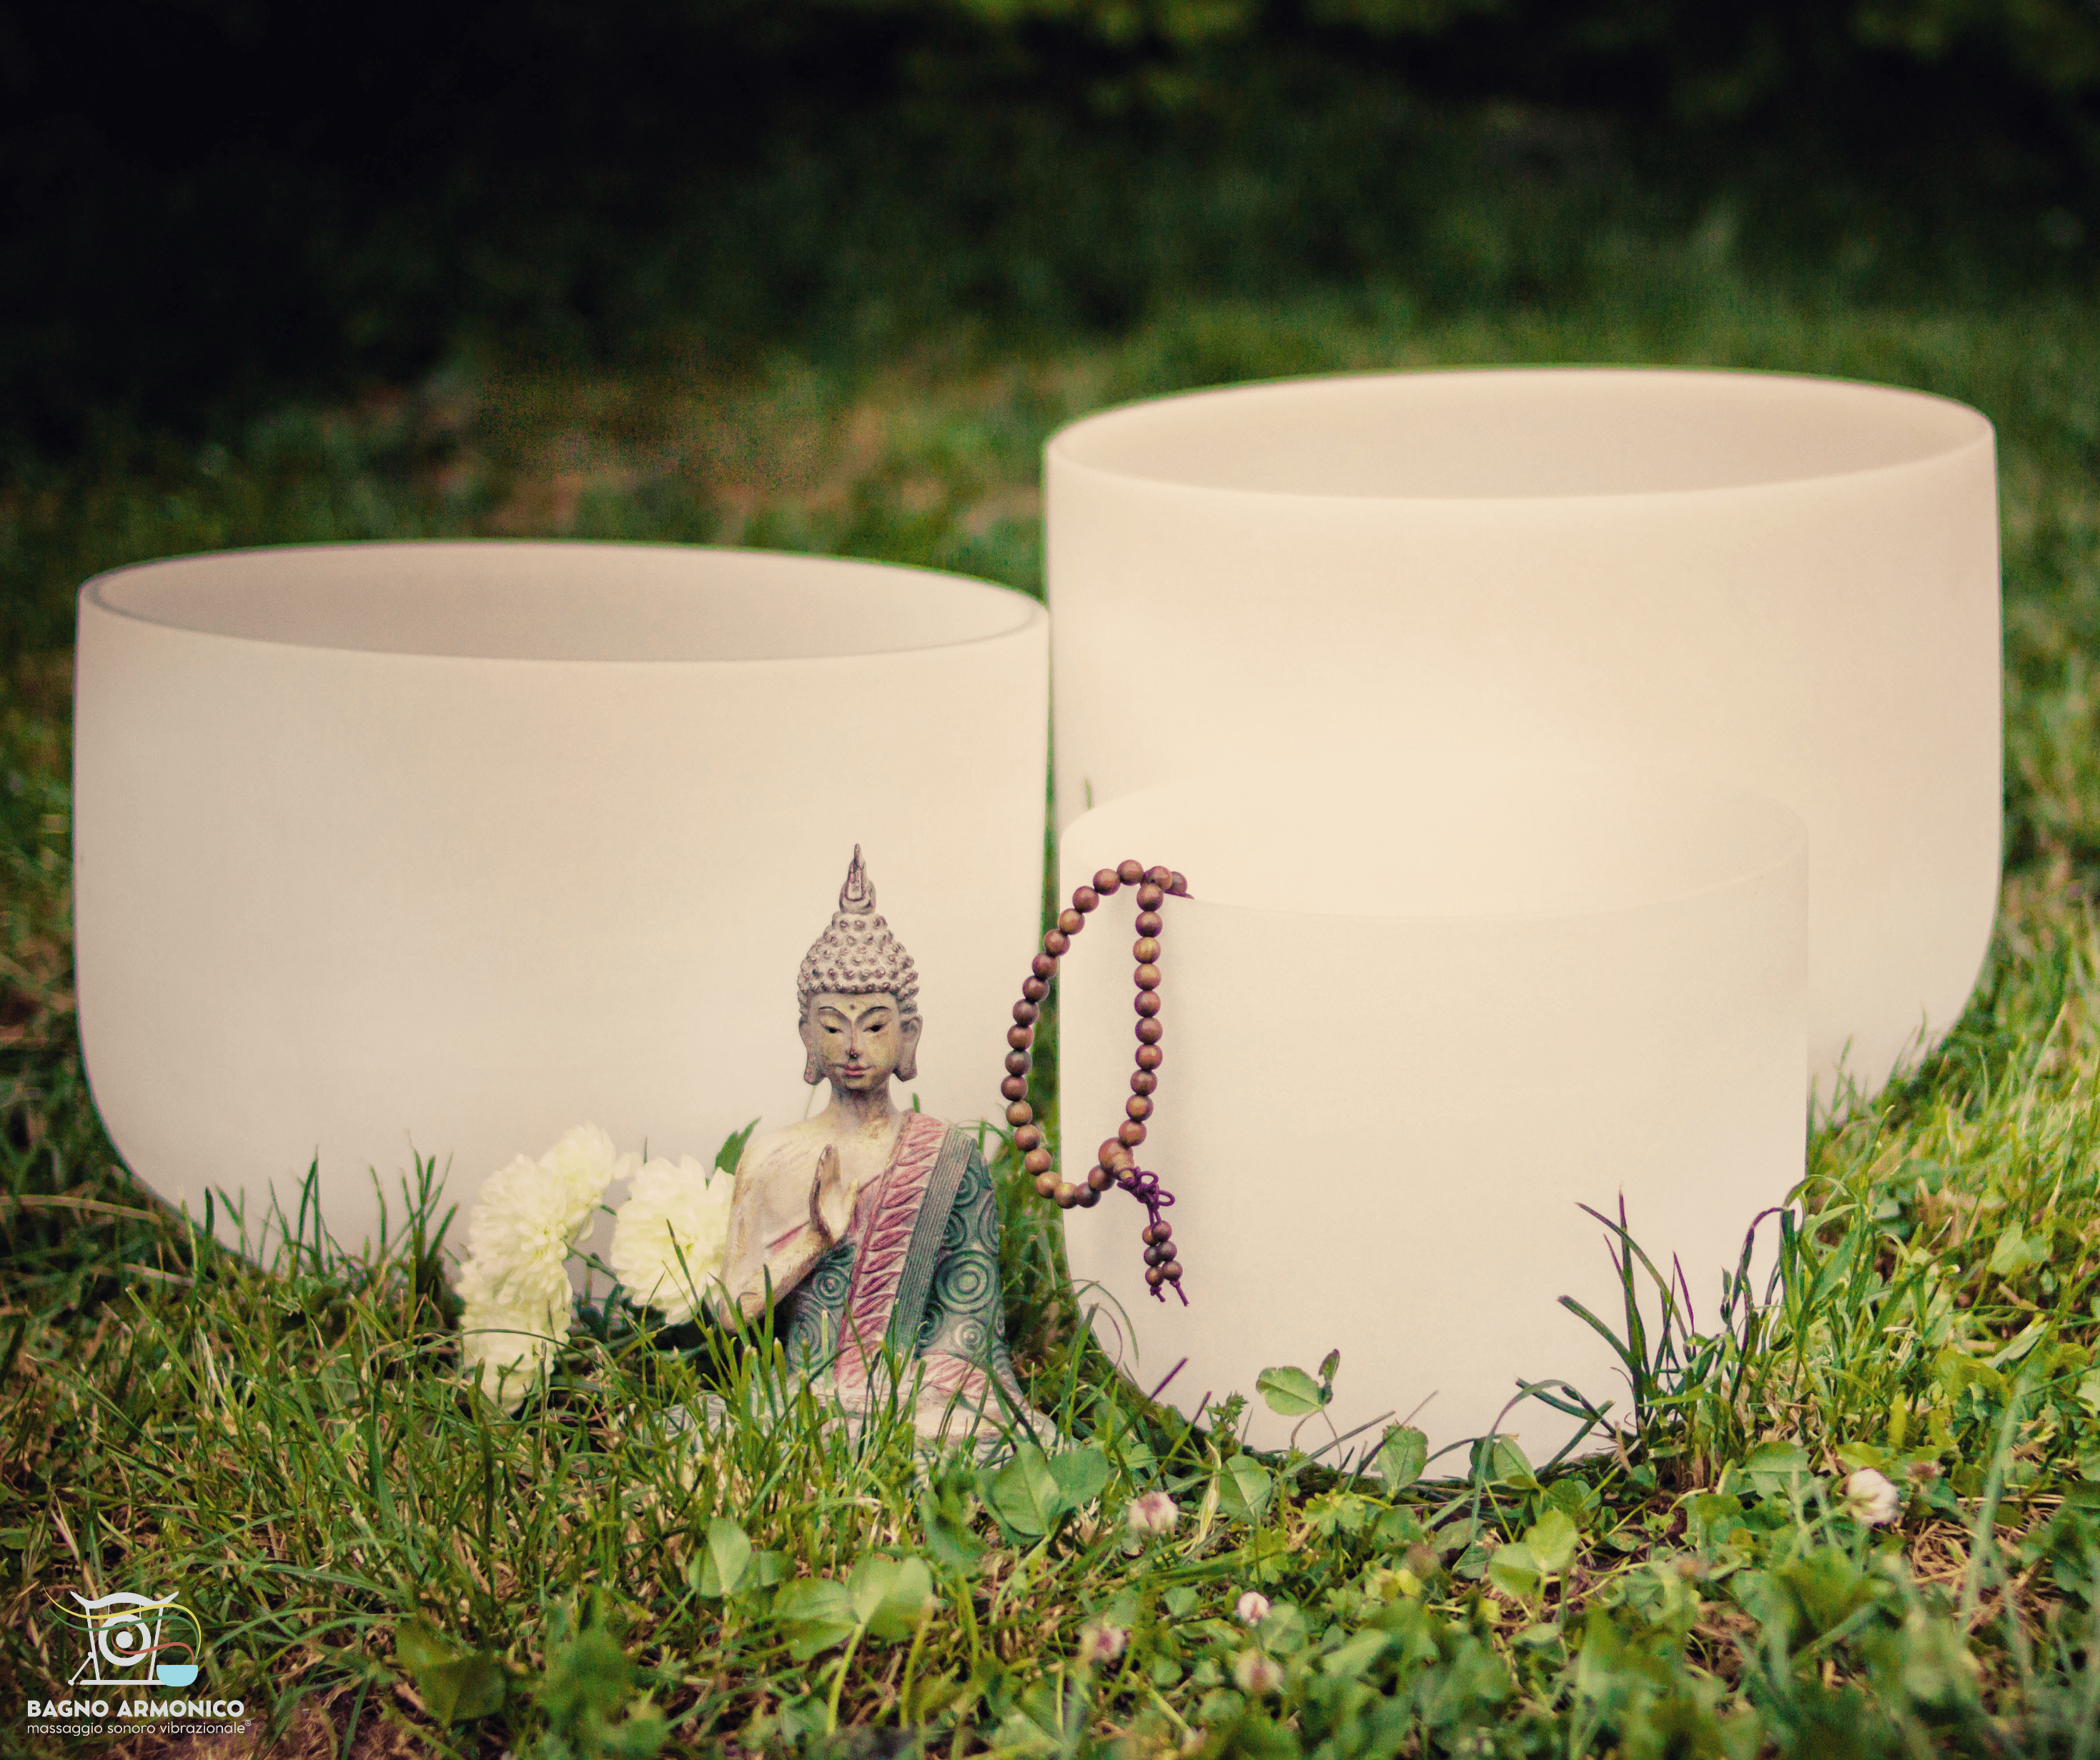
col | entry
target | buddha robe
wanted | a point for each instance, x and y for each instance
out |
(916, 1270)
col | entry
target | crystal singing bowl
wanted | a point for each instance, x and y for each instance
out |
(1789, 583)
(447, 847)
(1415, 1016)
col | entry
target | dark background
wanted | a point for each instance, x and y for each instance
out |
(211, 204)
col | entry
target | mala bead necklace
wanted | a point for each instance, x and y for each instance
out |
(1115, 1163)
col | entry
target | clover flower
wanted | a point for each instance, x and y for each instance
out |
(1251, 1608)
(1154, 1513)
(670, 1239)
(1101, 1641)
(1870, 1498)
(527, 1218)
(1258, 1673)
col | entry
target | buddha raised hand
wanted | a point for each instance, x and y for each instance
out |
(868, 1225)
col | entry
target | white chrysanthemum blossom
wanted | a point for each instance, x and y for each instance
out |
(507, 1350)
(670, 1239)
(527, 1220)
(586, 1162)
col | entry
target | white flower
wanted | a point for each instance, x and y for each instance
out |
(1257, 1672)
(586, 1163)
(1099, 1642)
(1154, 1513)
(527, 1218)
(1251, 1608)
(507, 1350)
(670, 1239)
(1870, 1498)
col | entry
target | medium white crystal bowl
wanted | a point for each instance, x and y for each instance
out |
(1791, 583)
(454, 846)
(1415, 1017)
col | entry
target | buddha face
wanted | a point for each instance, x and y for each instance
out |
(858, 1041)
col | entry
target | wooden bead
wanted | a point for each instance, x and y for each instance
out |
(1113, 1155)
(1147, 1002)
(1146, 977)
(1178, 884)
(1019, 1113)
(1100, 1178)
(1036, 1161)
(1016, 1062)
(1161, 878)
(1150, 1056)
(1131, 1134)
(1107, 881)
(1046, 1185)
(1024, 1013)
(1162, 1232)
(1138, 1107)
(1014, 1088)
(1043, 966)
(1145, 1234)
(1171, 1271)
(1151, 897)
(1071, 922)
(1130, 872)
(1154, 1276)
(1085, 899)
(1034, 989)
(1150, 922)
(1144, 1081)
(1149, 1031)
(1145, 950)
(1067, 1195)
(1056, 944)
(1027, 1137)
(1089, 1198)
(1153, 1255)
(1021, 1038)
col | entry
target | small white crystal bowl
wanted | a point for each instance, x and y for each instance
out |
(450, 846)
(1415, 1016)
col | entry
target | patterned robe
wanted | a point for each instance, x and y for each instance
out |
(918, 1269)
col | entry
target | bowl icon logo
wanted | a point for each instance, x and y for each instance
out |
(134, 1641)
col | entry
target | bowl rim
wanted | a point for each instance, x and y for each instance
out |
(1064, 448)
(1029, 618)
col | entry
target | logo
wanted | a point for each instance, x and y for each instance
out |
(141, 1646)
(135, 1642)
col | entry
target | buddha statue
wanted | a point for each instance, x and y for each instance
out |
(868, 1225)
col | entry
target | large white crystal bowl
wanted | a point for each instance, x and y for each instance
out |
(441, 848)
(1790, 583)
(1416, 1017)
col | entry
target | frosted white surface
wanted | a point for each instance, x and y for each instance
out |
(1405, 1040)
(1790, 584)
(454, 846)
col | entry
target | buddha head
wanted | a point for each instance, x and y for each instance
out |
(858, 994)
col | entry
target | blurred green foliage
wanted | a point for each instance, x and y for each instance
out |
(209, 206)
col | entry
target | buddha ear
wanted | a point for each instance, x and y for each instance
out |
(811, 1072)
(907, 1065)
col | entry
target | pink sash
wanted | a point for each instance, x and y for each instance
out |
(885, 1215)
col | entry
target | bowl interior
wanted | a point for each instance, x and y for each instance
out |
(1457, 841)
(1520, 433)
(564, 601)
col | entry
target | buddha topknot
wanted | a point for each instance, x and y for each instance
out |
(857, 955)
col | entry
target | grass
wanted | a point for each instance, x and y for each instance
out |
(382, 1564)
